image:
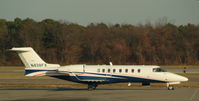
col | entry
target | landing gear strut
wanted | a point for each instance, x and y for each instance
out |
(92, 86)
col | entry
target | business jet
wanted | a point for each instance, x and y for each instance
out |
(94, 75)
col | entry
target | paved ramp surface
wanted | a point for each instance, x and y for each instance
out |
(109, 94)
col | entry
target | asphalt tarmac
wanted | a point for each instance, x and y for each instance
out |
(101, 94)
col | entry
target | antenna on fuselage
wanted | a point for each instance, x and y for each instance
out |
(110, 63)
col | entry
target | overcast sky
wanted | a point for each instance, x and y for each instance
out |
(108, 11)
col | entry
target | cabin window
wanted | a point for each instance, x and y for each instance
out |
(139, 70)
(98, 70)
(132, 70)
(103, 70)
(114, 70)
(158, 70)
(120, 70)
(126, 70)
(109, 70)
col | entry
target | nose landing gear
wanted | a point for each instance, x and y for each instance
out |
(170, 87)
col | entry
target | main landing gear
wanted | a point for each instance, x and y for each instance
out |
(92, 86)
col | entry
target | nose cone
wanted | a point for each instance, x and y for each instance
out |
(176, 77)
(182, 78)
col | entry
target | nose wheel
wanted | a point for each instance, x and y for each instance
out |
(170, 87)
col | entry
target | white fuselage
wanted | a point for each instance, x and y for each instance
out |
(109, 73)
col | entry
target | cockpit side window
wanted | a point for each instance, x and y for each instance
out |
(158, 70)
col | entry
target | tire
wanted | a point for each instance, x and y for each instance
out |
(170, 88)
(92, 87)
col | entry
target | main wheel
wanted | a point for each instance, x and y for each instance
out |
(92, 86)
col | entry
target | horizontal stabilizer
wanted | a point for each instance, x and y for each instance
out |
(20, 49)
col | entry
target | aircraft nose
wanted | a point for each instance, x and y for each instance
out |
(183, 78)
(176, 77)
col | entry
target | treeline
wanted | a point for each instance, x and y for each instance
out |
(69, 43)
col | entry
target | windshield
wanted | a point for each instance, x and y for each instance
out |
(159, 70)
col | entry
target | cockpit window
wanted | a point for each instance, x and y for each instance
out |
(158, 70)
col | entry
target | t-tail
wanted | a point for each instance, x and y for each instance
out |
(33, 63)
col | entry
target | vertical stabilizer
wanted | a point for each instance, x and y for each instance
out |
(30, 58)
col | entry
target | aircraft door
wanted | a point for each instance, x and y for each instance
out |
(83, 68)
